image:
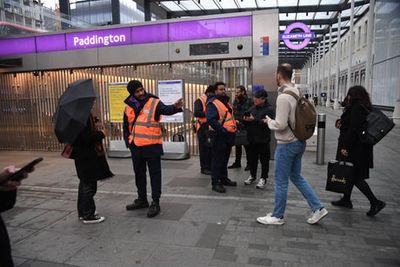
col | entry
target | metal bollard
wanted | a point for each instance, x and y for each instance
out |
(321, 139)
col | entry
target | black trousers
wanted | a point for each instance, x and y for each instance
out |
(220, 157)
(362, 185)
(205, 152)
(86, 192)
(139, 166)
(259, 152)
(238, 154)
(5, 248)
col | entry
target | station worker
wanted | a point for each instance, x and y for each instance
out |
(143, 136)
(199, 111)
(223, 128)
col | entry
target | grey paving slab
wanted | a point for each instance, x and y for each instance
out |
(189, 182)
(18, 216)
(50, 246)
(211, 236)
(35, 263)
(18, 233)
(105, 252)
(179, 256)
(45, 219)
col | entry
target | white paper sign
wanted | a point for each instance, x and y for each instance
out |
(169, 91)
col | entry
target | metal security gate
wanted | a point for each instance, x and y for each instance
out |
(28, 100)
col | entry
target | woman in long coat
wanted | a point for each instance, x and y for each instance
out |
(351, 149)
(91, 166)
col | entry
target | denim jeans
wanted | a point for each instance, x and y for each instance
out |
(288, 166)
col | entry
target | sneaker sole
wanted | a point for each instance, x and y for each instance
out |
(260, 187)
(276, 223)
(323, 216)
(93, 222)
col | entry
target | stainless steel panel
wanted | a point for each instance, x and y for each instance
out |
(234, 52)
(67, 59)
(138, 54)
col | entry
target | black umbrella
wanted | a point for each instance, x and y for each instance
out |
(73, 110)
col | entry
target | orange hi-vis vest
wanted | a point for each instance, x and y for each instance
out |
(226, 118)
(200, 121)
(146, 130)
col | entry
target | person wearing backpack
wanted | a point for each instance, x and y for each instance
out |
(352, 149)
(288, 153)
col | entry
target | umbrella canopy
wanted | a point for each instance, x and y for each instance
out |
(73, 110)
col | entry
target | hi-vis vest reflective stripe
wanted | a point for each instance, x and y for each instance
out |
(225, 117)
(200, 121)
(146, 130)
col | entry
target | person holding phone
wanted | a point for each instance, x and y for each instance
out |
(259, 136)
(8, 194)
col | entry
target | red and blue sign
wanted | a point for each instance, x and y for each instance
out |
(264, 46)
(306, 35)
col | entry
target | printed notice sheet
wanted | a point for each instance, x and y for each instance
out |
(169, 91)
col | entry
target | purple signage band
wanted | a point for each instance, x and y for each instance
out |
(143, 34)
(210, 28)
(306, 35)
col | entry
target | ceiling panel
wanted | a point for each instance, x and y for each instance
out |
(269, 3)
(287, 2)
(303, 16)
(228, 4)
(247, 4)
(288, 16)
(171, 6)
(309, 2)
(189, 5)
(208, 4)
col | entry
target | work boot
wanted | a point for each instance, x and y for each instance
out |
(154, 210)
(219, 188)
(138, 204)
(235, 166)
(343, 203)
(228, 182)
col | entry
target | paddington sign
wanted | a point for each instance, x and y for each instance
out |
(140, 34)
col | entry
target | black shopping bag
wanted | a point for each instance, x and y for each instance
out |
(340, 176)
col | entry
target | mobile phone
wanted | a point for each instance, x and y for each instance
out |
(19, 175)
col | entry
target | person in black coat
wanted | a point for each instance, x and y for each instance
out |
(91, 165)
(351, 149)
(241, 104)
(8, 195)
(259, 136)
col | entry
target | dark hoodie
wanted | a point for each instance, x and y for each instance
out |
(161, 109)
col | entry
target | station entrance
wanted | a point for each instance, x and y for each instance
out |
(29, 99)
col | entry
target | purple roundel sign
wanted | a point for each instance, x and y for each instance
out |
(306, 35)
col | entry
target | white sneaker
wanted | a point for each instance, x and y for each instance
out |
(261, 183)
(95, 213)
(249, 180)
(93, 219)
(269, 219)
(317, 215)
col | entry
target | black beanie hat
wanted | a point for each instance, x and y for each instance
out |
(133, 85)
(261, 94)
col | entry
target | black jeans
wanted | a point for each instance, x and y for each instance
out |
(259, 151)
(362, 185)
(139, 166)
(220, 157)
(5, 248)
(204, 151)
(86, 192)
(238, 154)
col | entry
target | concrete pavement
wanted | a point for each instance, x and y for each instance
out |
(198, 227)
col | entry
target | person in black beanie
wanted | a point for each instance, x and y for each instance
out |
(143, 136)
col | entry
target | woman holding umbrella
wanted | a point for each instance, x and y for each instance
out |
(76, 125)
(91, 166)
